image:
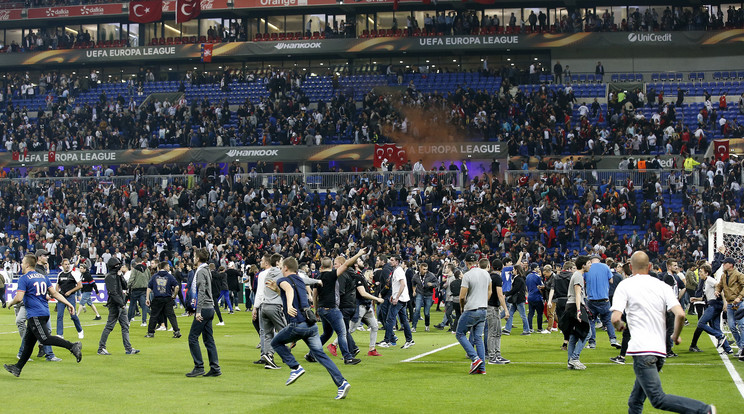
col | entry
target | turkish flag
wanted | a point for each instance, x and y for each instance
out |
(206, 52)
(16, 155)
(147, 11)
(187, 10)
(390, 152)
(721, 149)
(395, 5)
(52, 156)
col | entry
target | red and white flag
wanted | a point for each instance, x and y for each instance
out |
(147, 11)
(187, 10)
(390, 153)
(721, 149)
(207, 50)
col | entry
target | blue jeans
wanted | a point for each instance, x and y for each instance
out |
(203, 329)
(138, 296)
(710, 322)
(61, 309)
(601, 310)
(475, 321)
(382, 310)
(85, 299)
(333, 321)
(424, 301)
(397, 310)
(309, 334)
(648, 384)
(225, 296)
(737, 327)
(576, 345)
(512, 310)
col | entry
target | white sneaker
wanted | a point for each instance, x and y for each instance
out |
(162, 328)
(170, 329)
(545, 331)
(237, 309)
(81, 335)
(221, 324)
(142, 324)
(553, 329)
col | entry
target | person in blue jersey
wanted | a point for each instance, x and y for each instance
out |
(33, 288)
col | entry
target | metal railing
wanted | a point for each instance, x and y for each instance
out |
(597, 177)
(311, 181)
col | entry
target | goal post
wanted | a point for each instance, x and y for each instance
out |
(730, 235)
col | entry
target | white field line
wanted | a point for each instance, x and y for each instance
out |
(731, 370)
(430, 352)
(464, 361)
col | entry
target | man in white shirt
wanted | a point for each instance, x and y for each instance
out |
(398, 301)
(257, 301)
(474, 294)
(645, 301)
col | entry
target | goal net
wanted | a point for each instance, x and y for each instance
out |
(730, 235)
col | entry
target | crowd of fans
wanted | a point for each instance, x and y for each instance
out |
(547, 121)
(552, 218)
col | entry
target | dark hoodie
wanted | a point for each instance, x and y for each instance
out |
(560, 286)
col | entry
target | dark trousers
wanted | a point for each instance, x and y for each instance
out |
(162, 307)
(348, 314)
(203, 329)
(536, 308)
(37, 330)
(626, 341)
(669, 331)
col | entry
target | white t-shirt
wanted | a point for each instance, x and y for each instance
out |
(258, 300)
(398, 275)
(645, 300)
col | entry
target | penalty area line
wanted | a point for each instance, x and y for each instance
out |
(430, 352)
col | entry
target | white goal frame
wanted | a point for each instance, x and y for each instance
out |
(716, 237)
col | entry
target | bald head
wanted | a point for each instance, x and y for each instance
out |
(639, 263)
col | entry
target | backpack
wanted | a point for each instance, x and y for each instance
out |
(455, 287)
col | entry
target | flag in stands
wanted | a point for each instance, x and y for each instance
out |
(722, 149)
(52, 156)
(390, 152)
(187, 10)
(206, 52)
(147, 11)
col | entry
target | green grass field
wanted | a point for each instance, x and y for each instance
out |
(536, 380)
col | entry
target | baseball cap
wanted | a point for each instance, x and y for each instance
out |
(729, 260)
(471, 257)
(42, 252)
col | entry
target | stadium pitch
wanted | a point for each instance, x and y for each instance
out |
(430, 377)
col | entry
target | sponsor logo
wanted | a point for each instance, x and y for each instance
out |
(69, 157)
(57, 12)
(300, 45)
(649, 37)
(253, 153)
(284, 3)
(207, 4)
(90, 11)
(4, 15)
(131, 51)
(457, 149)
(468, 40)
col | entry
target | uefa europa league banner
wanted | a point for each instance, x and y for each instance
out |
(384, 45)
(288, 153)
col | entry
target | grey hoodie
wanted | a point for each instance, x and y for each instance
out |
(271, 297)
